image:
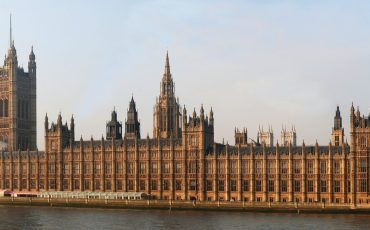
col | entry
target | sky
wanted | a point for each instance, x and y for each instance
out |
(256, 63)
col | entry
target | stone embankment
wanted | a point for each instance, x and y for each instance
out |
(187, 205)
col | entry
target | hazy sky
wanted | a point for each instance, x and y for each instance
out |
(254, 62)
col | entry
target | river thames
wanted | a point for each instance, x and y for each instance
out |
(80, 218)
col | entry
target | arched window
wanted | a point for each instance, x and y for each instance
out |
(19, 109)
(22, 105)
(6, 108)
(27, 109)
(1, 108)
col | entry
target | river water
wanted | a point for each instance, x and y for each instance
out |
(81, 218)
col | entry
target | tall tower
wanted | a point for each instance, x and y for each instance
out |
(132, 124)
(17, 102)
(167, 117)
(337, 134)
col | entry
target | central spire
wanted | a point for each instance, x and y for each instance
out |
(167, 71)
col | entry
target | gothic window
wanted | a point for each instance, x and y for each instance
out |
(142, 185)
(193, 141)
(130, 168)
(271, 166)
(245, 167)
(221, 185)
(348, 167)
(22, 105)
(52, 169)
(336, 186)
(65, 184)
(119, 167)
(87, 184)
(233, 166)
(284, 167)
(233, 185)
(154, 185)
(166, 167)
(154, 167)
(166, 185)
(52, 184)
(193, 185)
(97, 168)
(363, 165)
(76, 168)
(297, 166)
(19, 108)
(192, 167)
(337, 167)
(245, 185)
(178, 167)
(209, 185)
(310, 186)
(258, 166)
(297, 186)
(362, 142)
(6, 108)
(336, 140)
(284, 186)
(310, 167)
(27, 109)
(66, 168)
(323, 166)
(97, 184)
(87, 169)
(130, 185)
(142, 167)
(363, 185)
(323, 186)
(348, 186)
(1, 108)
(76, 184)
(258, 186)
(221, 167)
(178, 185)
(271, 186)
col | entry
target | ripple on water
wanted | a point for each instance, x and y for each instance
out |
(75, 218)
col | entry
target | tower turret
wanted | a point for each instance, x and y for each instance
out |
(337, 134)
(114, 128)
(132, 124)
(46, 123)
(32, 64)
(72, 128)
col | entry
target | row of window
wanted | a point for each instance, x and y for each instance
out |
(193, 167)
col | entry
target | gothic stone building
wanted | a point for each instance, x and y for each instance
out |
(183, 162)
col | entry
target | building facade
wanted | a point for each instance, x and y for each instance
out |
(183, 162)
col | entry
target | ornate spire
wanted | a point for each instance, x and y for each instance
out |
(32, 55)
(132, 107)
(167, 71)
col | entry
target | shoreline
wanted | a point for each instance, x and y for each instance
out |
(187, 205)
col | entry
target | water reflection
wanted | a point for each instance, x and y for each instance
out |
(74, 218)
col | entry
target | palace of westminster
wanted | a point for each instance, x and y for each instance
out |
(181, 161)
